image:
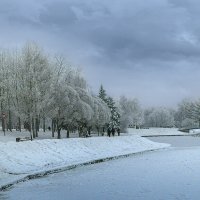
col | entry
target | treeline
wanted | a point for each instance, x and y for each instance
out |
(188, 114)
(185, 115)
(35, 87)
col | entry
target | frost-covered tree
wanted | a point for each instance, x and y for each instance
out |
(101, 115)
(125, 119)
(102, 94)
(35, 87)
(188, 111)
(195, 112)
(187, 114)
(5, 89)
(33, 83)
(131, 113)
(62, 95)
(114, 122)
(159, 117)
(23, 84)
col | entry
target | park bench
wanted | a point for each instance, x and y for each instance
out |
(22, 139)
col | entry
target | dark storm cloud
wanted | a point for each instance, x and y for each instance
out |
(124, 32)
(145, 49)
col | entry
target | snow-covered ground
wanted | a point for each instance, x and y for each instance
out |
(11, 136)
(155, 131)
(167, 175)
(194, 131)
(177, 141)
(31, 156)
(21, 158)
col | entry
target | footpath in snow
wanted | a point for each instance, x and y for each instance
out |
(21, 159)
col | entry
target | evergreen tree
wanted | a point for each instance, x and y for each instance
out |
(114, 122)
(115, 116)
(102, 94)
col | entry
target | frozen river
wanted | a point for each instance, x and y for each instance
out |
(167, 175)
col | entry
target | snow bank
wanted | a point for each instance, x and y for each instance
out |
(28, 157)
(194, 131)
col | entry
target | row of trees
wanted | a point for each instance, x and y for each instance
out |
(35, 87)
(188, 114)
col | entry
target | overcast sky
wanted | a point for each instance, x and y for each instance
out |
(144, 49)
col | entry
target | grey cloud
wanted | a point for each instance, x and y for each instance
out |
(148, 33)
(58, 14)
(148, 47)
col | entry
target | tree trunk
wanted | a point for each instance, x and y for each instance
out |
(19, 122)
(33, 127)
(44, 124)
(67, 133)
(89, 131)
(9, 121)
(52, 127)
(58, 129)
(59, 136)
(38, 123)
(4, 125)
(80, 132)
(36, 126)
(103, 130)
(29, 127)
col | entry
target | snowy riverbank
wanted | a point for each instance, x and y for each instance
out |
(159, 132)
(21, 159)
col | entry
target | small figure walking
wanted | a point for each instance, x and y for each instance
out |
(118, 131)
(108, 132)
(113, 132)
